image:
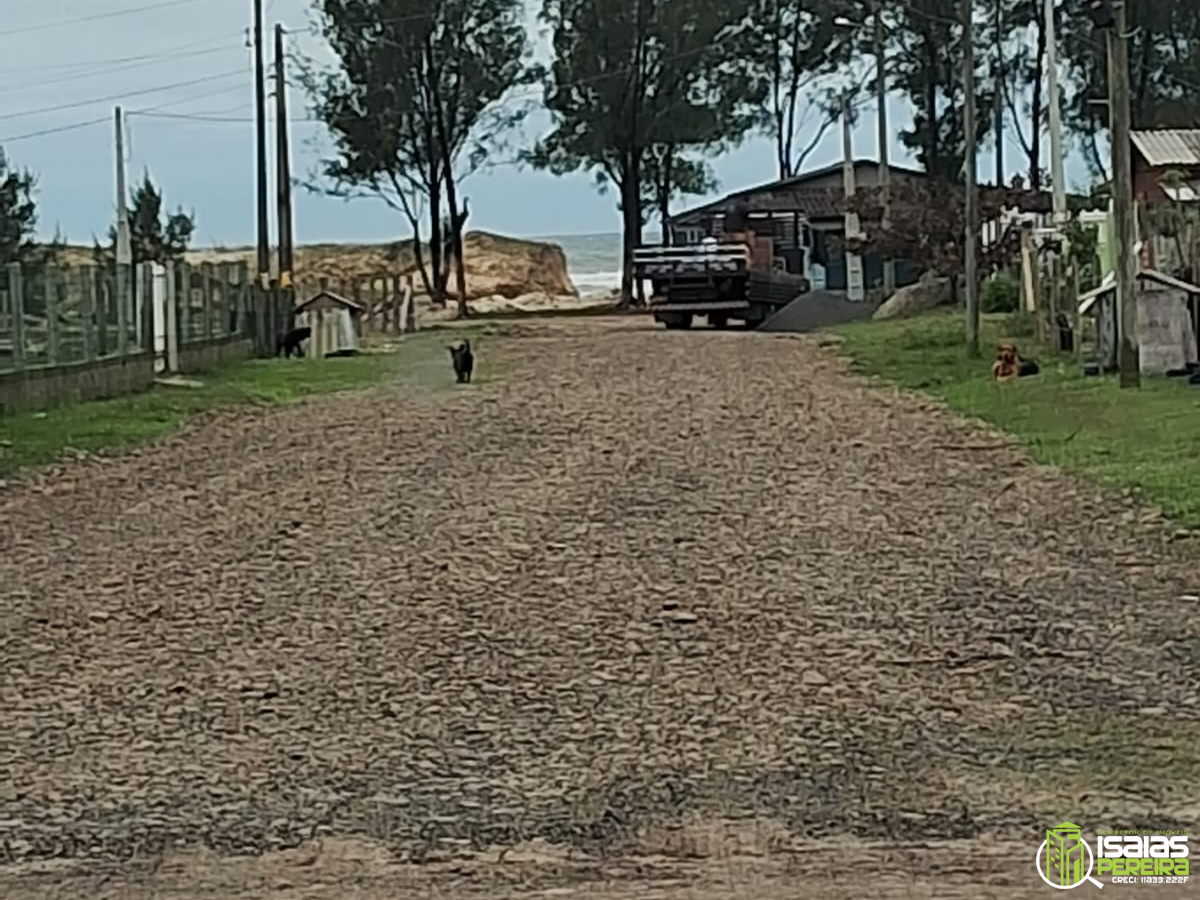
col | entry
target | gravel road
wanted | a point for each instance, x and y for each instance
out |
(655, 611)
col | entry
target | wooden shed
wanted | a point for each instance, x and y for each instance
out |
(336, 323)
(1168, 312)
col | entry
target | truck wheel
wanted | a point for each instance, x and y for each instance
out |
(677, 320)
(718, 320)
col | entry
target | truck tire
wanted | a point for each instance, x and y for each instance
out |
(718, 320)
(677, 320)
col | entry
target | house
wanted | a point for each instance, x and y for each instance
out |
(1168, 316)
(809, 212)
(1166, 170)
(336, 323)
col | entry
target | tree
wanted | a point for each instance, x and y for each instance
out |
(1018, 74)
(415, 104)
(18, 213)
(153, 236)
(1164, 73)
(798, 43)
(927, 223)
(633, 87)
(927, 62)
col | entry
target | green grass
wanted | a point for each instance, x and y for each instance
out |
(1144, 441)
(31, 439)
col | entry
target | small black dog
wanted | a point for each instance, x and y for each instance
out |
(464, 362)
(291, 342)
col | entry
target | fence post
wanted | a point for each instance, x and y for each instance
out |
(16, 309)
(207, 275)
(52, 279)
(123, 296)
(171, 310)
(183, 300)
(146, 284)
(85, 277)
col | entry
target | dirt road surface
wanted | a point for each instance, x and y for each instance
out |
(667, 615)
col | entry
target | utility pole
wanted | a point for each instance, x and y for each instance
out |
(124, 248)
(1055, 111)
(885, 168)
(1128, 354)
(260, 174)
(1001, 89)
(283, 179)
(853, 262)
(971, 176)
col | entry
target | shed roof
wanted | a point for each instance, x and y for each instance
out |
(1109, 285)
(1169, 146)
(346, 302)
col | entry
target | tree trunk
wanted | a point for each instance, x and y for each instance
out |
(1035, 138)
(664, 194)
(629, 224)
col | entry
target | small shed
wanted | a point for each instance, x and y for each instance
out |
(336, 323)
(1168, 313)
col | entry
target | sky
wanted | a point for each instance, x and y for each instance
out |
(182, 71)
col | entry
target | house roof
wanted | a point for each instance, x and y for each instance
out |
(1109, 285)
(792, 194)
(336, 298)
(1169, 147)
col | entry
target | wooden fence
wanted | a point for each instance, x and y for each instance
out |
(74, 333)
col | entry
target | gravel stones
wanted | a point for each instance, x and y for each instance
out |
(647, 577)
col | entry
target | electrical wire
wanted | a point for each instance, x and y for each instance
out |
(94, 73)
(112, 98)
(116, 13)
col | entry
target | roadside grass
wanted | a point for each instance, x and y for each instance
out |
(35, 438)
(1144, 441)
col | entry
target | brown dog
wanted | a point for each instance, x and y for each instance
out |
(1009, 365)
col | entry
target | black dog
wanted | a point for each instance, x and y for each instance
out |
(464, 362)
(291, 342)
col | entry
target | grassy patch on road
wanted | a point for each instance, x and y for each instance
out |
(31, 439)
(1143, 441)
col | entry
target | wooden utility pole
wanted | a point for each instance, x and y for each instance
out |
(1128, 356)
(999, 76)
(853, 262)
(265, 337)
(971, 176)
(885, 170)
(283, 180)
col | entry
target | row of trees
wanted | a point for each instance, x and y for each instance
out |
(643, 93)
(154, 235)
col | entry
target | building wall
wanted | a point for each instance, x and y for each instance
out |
(41, 388)
(210, 355)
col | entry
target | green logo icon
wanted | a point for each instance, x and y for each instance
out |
(1064, 860)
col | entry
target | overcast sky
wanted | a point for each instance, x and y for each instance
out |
(66, 63)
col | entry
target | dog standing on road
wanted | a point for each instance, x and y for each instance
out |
(464, 362)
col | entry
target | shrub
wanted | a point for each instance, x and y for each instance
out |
(1001, 294)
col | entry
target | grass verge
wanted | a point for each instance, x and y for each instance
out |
(1142, 441)
(32, 439)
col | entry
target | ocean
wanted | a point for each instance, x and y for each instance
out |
(593, 260)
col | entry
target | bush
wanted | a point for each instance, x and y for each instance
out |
(1001, 294)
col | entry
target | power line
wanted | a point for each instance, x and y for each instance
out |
(93, 73)
(112, 98)
(129, 11)
(167, 53)
(74, 126)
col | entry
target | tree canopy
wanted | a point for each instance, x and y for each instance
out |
(18, 212)
(416, 101)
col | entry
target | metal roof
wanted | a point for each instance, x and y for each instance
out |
(1109, 285)
(1169, 147)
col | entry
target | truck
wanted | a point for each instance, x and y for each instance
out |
(745, 278)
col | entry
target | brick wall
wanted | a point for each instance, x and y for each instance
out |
(41, 388)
